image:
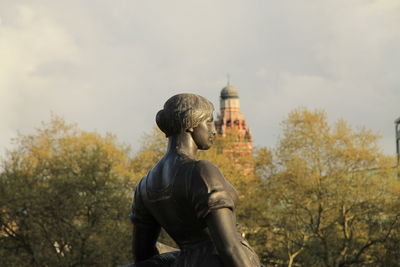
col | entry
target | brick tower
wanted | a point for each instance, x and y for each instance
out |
(232, 124)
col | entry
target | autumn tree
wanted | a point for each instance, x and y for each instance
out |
(329, 198)
(325, 196)
(64, 199)
(153, 147)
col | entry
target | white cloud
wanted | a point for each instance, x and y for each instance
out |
(28, 41)
(110, 65)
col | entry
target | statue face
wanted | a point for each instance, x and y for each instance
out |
(204, 134)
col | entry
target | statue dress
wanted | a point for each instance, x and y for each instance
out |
(177, 195)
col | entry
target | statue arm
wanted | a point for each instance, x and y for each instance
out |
(144, 241)
(223, 231)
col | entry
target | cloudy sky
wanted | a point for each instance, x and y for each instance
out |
(110, 65)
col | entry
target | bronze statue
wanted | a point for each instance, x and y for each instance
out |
(189, 198)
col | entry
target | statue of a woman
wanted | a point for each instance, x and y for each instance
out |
(187, 197)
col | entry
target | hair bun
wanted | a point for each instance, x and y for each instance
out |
(161, 121)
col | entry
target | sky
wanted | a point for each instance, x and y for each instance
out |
(109, 66)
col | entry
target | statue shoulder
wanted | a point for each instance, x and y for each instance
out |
(208, 173)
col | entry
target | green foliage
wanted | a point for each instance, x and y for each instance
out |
(64, 199)
(331, 197)
(153, 148)
(325, 196)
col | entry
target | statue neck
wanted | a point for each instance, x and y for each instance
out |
(182, 143)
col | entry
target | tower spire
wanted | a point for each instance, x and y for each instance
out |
(232, 124)
(229, 79)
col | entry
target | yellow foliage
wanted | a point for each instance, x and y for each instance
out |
(332, 186)
(64, 198)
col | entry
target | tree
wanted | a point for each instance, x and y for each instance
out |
(154, 145)
(329, 199)
(64, 199)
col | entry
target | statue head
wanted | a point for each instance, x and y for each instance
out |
(182, 112)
